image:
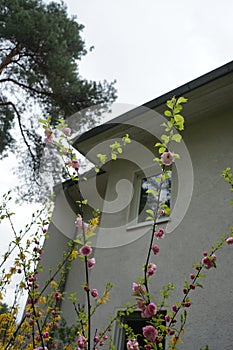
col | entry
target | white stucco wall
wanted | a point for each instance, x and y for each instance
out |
(210, 144)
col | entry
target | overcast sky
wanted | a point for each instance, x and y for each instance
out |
(149, 47)
(153, 46)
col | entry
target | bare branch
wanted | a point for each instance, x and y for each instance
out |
(9, 103)
(24, 86)
(8, 59)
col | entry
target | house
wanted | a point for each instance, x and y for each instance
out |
(200, 211)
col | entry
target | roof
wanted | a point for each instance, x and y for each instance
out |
(211, 90)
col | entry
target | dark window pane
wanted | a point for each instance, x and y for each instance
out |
(136, 322)
(147, 201)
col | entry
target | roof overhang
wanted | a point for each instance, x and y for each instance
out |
(210, 92)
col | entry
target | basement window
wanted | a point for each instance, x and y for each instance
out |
(136, 323)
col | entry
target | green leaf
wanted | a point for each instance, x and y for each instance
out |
(114, 145)
(166, 209)
(170, 103)
(43, 121)
(78, 241)
(150, 211)
(178, 108)
(159, 144)
(154, 193)
(126, 139)
(102, 158)
(162, 150)
(182, 100)
(168, 113)
(114, 156)
(158, 160)
(176, 138)
(179, 121)
(165, 138)
(178, 118)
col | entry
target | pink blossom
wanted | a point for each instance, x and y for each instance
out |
(75, 164)
(149, 311)
(187, 304)
(155, 249)
(150, 333)
(45, 335)
(80, 224)
(96, 339)
(209, 262)
(94, 293)
(82, 343)
(229, 240)
(151, 269)
(148, 347)
(132, 344)
(167, 318)
(57, 296)
(49, 136)
(141, 304)
(159, 233)
(91, 263)
(167, 158)
(138, 289)
(67, 131)
(49, 140)
(86, 250)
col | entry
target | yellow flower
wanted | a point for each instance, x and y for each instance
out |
(85, 326)
(15, 311)
(175, 340)
(106, 295)
(12, 270)
(7, 324)
(43, 299)
(95, 221)
(8, 276)
(53, 284)
(22, 256)
(102, 301)
(20, 339)
(68, 347)
(74, 254)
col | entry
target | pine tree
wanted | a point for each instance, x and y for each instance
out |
(40, 48)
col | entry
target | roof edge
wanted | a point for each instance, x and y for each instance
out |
(158, 101)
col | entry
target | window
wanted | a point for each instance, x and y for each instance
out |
(146, 200)
(136, 323)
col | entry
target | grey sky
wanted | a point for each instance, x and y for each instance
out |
(153, 46)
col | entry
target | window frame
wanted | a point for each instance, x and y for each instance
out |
(135, 203)
(119, 333)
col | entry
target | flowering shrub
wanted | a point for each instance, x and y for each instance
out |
(42, 325)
